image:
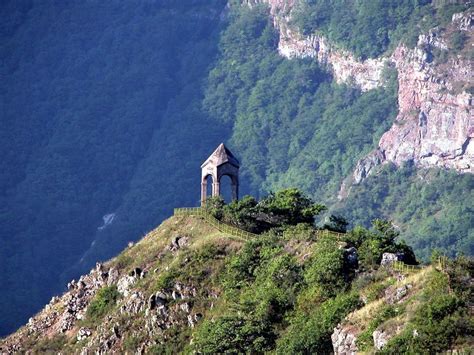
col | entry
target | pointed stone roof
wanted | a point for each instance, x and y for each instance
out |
(221, 156)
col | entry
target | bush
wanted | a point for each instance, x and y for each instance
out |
(214, 206)
(457, 40)
(241, 268)
(326, 268)
(242, 213)
(233, 334)
(289, 207)
(371, 244)
(103, 302)
(311, 333)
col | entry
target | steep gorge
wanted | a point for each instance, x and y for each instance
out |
(435, 122)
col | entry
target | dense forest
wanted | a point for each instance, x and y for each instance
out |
(111, 107)
(370, 28)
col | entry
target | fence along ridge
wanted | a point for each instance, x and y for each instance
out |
(225, 228)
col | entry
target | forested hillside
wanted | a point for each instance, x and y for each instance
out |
(111, 107)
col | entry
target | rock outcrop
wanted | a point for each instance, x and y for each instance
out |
(435, 123)
(62, 313)
(380, 339)
(344, 341)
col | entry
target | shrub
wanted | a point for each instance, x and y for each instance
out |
(241, 213)
(214, 206)
(52, 345)
(289, 207)
(311, 333)
(233, 334)
(457, 40)
(102, 303)
(326, 267)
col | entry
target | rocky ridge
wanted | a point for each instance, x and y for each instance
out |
(155, 310)
(435, 123)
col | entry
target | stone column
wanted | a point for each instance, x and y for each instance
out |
(216, 189)
(235, 190)
(203, 192)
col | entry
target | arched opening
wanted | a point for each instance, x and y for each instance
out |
(208, 180)
(226, 188)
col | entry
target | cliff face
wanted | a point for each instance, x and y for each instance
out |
(435, 124)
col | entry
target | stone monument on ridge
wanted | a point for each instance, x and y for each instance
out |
(222, 162)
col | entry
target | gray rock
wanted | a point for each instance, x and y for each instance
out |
(350, 255)
(83, 333)
(125, 283)
(366, 166)
(380, 339)
(178, 242)
(113, 276)
(344, 341)
(395, 294)
(389, 258)
(134, 304)
(185, 307)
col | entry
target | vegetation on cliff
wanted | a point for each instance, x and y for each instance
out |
(369, 28)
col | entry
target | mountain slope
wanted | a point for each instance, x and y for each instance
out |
(108, 109)
(188, 287)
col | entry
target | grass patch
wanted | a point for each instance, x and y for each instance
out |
(103, 302)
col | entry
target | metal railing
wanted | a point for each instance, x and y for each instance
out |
(402, 267)
(237, 232)
(221, 227)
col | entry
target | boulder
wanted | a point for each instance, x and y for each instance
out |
(389, 258)
(113, 276)
(351, 258)
(380, 339)
(125, 283)
(395, 294)
(83, 333)
(344, 341)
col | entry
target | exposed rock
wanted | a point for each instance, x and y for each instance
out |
(435, 123)
(366, 165)
(464, 21)
(62, 313)
(395, 294)
(134, 304)
(389, 258)
(346, 68)
(380, 339)
(351, 258)
(185, 307)
(125, 283)
(344, 340)
(83, 333)
(178, 242)
(113, 277)
(193, 319)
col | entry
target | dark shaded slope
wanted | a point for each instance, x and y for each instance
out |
(85, 99)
